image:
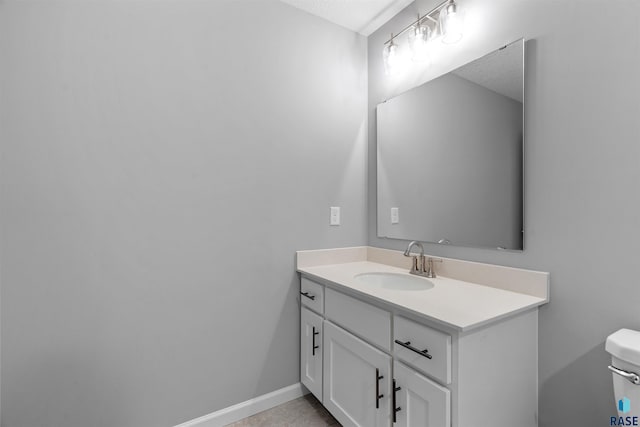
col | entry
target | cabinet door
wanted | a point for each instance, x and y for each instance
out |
(356, 380)
(419, 401)
(311, 351)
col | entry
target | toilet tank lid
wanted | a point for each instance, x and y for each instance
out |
(625, 344)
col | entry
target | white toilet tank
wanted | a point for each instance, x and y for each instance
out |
(624, 347)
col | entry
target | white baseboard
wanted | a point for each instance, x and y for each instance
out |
(247, 408)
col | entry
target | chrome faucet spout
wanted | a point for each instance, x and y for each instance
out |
(411, 245)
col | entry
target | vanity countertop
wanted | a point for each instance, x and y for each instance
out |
(454, 303)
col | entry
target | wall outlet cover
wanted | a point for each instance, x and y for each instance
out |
(395, 216)
(335, 216)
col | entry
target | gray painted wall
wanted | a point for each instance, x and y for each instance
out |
(581, 178)
(161, 161)
(450, 159)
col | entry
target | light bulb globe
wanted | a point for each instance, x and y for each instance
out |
(419, 41)
(391, 58)
(451, 23)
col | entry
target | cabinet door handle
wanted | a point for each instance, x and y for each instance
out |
(313, 341)
(396, 409)
(378, 394)
(408, 345)
(306, 294)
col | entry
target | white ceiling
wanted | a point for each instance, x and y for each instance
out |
(361, 16)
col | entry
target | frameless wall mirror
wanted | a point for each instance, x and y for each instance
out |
(450, 156)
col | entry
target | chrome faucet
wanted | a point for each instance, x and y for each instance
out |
(421, 266)
(417, 266)
(411, 245)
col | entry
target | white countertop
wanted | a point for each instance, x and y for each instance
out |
(455, 303)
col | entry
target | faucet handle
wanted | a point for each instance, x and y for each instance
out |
(418, 265)
(430, 272)
(415, 268)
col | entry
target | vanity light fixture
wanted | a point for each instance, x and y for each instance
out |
(419, 40)
(451, 23)
(444, 22)
(391, 58)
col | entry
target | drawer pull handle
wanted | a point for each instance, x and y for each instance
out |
(306, 294)
(313, 342)
(408, 346)
(396, 409)
(378, 394)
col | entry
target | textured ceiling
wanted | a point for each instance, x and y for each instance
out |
(361, 16)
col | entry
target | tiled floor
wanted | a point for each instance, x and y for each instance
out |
(304, 411)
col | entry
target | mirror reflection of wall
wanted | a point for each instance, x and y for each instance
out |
(450, 156)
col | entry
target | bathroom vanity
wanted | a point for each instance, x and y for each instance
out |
(379, 348)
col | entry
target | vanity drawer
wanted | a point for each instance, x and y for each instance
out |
(365, 320)
(410, 339)
(312, 295)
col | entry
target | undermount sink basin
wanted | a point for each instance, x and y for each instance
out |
(395, 281)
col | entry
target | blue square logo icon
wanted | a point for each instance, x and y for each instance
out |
(624, 405)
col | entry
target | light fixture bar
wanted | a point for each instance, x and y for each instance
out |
(419, 20)
(431, 18)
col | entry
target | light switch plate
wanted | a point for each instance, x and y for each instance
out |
(335, 216)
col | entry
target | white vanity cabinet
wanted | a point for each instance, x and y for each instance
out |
(311, 351)
(311, 335)
(418, 400)
(356, 379)
(312, 295)
(384, 366)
